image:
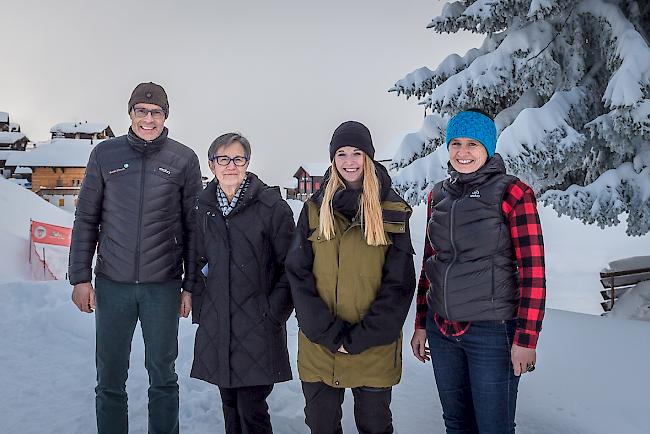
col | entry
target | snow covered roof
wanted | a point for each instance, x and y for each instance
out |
(315, 169)
(7, 138)
(5, 154)
(633, 263)
(4, 117)
(55, 153)
(20, 182)
(78, 127)
(23, 170)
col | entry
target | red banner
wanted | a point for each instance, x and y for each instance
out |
(51, 234)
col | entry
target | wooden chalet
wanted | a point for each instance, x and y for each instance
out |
(82, 130)
(307, 179)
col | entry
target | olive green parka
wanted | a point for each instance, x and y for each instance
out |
(348, 293)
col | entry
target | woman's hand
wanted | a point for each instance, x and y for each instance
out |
(523, 359)
(186, 304)
(418, 345)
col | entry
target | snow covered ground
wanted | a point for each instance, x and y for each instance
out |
(588, 379)
(18, 206)
(592, 374)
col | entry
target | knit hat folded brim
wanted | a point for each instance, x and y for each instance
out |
(352, 133)
(473, 125)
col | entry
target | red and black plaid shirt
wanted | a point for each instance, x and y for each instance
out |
(520, 211)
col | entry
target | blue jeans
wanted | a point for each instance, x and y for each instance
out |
(119, 307)
(473, 372)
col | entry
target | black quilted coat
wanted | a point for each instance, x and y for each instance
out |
(136, 206)
(242, 310)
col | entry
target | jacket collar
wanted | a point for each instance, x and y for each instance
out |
(143, 146)
(459, 181)
(209, 195)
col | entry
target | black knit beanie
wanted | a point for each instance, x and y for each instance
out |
(352, 133)
(150, 93)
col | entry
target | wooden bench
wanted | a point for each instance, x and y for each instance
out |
(617, 283)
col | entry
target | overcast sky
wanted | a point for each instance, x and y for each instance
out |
(283, 73)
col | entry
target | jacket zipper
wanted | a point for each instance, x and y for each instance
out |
(453, 246)
(353, 223)
(137, 250)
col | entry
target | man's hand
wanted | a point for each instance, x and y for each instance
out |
(186, 304)
(522, 359)
(418, 345)
(83, 296)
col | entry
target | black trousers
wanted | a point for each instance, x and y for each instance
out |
(245, 410)
(323, 411)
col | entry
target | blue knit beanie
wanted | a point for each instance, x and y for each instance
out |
(473, 125)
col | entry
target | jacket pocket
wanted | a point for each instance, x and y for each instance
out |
(169, 175)
(267, 315)
(398, 351)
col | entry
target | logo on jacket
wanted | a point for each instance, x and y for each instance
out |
(475, 194)
(163, 170)
(119, 169)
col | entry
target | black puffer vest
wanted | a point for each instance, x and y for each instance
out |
(473, 274)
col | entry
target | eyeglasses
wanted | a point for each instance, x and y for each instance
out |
(224, 160)
(157, 114)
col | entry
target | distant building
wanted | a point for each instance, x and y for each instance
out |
(81, 130)
(15, 141)
(4, 156)
(307, 179)
(58, 167)
(7, 126)
(25, 174)
(4, 121)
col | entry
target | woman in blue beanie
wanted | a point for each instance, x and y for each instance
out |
(482, 290)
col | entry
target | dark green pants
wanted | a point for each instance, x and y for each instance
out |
(119, 307)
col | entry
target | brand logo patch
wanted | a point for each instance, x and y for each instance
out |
(163, 170)
(475, 194)
(119, 169)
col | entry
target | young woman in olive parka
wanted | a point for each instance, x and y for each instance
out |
(352, 279)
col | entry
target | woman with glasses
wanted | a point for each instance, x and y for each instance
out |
(244, 230)
(352, 279)
(481, 295)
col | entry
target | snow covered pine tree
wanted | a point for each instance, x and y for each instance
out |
(569, 83)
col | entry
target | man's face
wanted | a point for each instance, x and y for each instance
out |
(147, 121)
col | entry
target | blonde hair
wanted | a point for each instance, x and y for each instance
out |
(369, 205)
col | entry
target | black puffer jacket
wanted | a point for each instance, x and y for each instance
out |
(136, 206)
(242, 337)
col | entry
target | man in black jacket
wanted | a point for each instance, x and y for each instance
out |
(135, 207)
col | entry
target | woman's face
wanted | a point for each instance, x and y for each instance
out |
(349, 163)
(230, 175)
(467, 155)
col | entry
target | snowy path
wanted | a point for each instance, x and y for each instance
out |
(47, 376)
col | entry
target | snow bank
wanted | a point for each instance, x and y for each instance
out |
(18, 206)
(634, 304)
(48, 374)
